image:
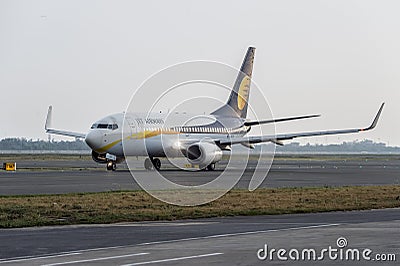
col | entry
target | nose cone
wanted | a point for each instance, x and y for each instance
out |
(94, 139)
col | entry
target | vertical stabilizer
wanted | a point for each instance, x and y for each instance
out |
(238, 100)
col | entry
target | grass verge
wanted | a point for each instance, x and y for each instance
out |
(129, 206)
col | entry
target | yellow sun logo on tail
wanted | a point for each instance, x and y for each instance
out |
(243, 94)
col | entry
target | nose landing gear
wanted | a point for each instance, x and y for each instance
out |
(111, 166)
(111, 162)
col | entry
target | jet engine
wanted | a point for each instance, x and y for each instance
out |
(203, 154)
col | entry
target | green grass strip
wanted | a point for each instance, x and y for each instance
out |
(131, 206)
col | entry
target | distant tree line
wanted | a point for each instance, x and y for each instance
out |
(29, 144)
(353, 146)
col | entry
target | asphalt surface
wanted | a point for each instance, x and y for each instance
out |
(216, 241)
(68, 176)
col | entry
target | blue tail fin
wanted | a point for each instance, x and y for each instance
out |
(238, 100)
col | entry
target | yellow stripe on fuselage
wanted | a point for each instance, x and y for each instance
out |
(140, 135)
(152, 133)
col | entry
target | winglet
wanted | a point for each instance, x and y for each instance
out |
(375, 122)
(47, 125)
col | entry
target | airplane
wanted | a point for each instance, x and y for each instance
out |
(201, 144)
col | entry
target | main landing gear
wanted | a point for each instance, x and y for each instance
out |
(211, 167)
(155, 163)
(111, 166)
(151, 164)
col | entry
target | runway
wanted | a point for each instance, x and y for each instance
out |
(69, 176)
(216, 241)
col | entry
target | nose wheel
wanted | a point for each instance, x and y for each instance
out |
(150, 164)
(111, 166)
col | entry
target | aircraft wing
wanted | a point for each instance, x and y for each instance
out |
(50, 130)
(279, 137)
(66, 133)
(260, 122)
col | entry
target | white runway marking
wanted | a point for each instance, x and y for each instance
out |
(95, 259)
(238, 234)
(77, 252)
(41, 257)
(173, 259)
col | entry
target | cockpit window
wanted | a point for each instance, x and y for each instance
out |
(105, 126)
(102, 125)
(112, 126)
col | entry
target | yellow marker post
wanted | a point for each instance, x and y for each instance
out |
(10, 166)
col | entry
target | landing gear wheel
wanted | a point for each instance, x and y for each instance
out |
(111, 166)
(211, 167)
(157, 163)
(148, 164)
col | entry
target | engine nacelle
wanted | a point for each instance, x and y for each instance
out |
(203, 153)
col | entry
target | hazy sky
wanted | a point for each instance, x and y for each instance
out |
(337, 58)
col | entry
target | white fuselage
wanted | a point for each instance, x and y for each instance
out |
(136, 134)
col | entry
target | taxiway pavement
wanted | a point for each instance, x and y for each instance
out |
(55, 177)
(216, 241)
